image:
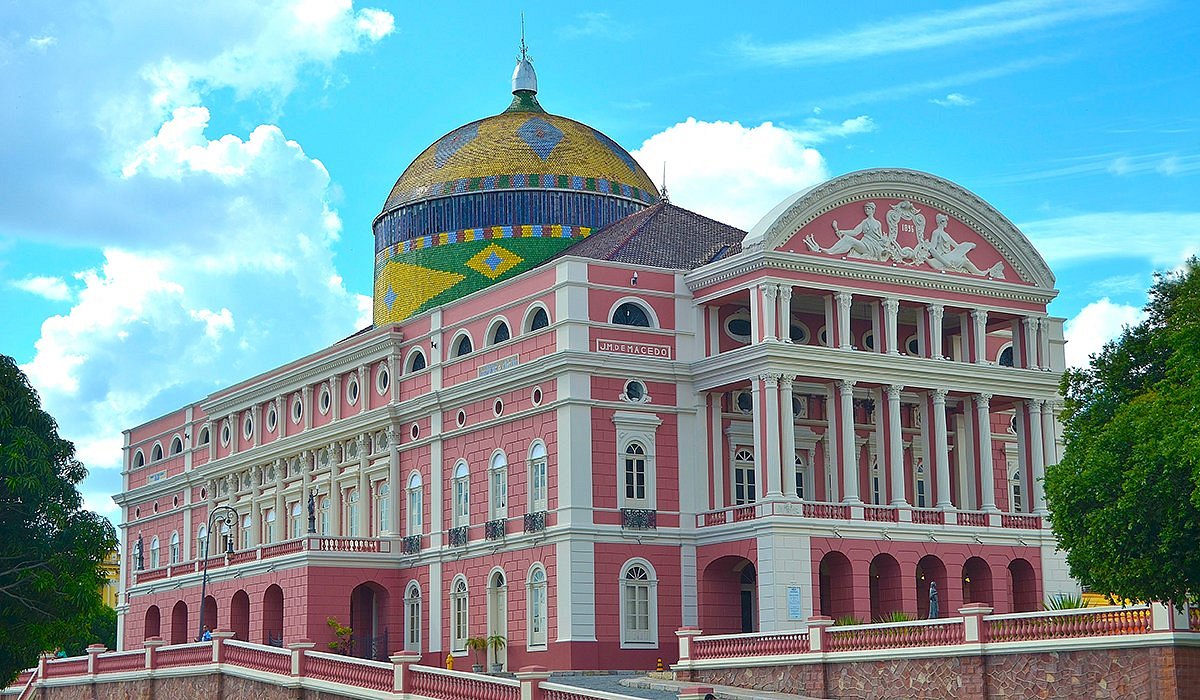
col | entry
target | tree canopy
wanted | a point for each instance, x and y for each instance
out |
(1125, 500)
(50, 547)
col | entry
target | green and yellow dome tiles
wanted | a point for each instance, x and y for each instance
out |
(495, 198)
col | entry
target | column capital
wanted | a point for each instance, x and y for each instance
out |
(785, 292)
(843, 298)
(939, 395)
(977, 314)
(770, 290)
(845, 386)
(1030, 322)
(893, 391)
(983, 400)
(360, 442)
(770, 378)
(891, 304)
(1044, 322)
(1034, 404)
(393, 436)
(786, 380)
(936, 310)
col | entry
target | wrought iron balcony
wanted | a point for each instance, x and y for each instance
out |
(535, 522)
(639, 519)
(411, 544)
(495, 529)
(458, 536)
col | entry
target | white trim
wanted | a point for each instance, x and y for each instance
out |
(651, 588)
(411, 355)
(527, 320)
(638, 301)
(453, 347)
(541, 642)
(493, 325)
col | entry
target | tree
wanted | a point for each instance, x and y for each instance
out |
(50, 547)
(1125, 500)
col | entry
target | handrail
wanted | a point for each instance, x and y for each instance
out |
(560, 691)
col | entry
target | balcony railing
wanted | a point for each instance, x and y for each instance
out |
(495, 529)
(458, 536)
(535, 522)
(639, 519)
(867, 512)
(411, 544)
(268, 550)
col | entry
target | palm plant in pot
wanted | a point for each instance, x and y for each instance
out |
(496, 642)
(478, 645)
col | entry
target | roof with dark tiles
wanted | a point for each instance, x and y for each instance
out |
(662, 235)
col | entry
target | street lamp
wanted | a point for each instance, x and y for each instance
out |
(228, 518)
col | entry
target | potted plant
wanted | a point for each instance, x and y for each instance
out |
(478, 645)
(496, 642)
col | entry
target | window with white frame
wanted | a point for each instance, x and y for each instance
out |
(537, 477)
(415, 504)
(154, 552)
(296, 526)
(745, 490)
(459, 615)
(269, 526)
(498, 485)
(175, 548)
(462, 494)
(801, 476)
(200, 535)
(639, 605)
(499, 333)
(921, 485)
(876, 482)
(352, 507)
(537, 610)
(323, 508)
(383, 498)
(246, 521)
(632, 314)
(636, 486)
(1014, 488)
(412, 617)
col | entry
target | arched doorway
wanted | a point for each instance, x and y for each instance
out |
(273, 616)
(1023, 584)
(153, 623)
(724, 580)
(179, 623)
(210, 613)
(930, 570)
(976, 582)
(239, 616)
(497, 603)
(836, 582)
(368, 616)
(887, 595)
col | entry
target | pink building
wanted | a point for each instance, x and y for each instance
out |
(585, 417)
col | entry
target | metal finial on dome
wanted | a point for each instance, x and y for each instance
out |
(663, 189)
(524, 78)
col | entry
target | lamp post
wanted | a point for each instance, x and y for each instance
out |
(228, 518)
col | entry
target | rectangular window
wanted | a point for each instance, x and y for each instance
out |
(414, 511)
(537, 478)
(499, 493)
(920, 493)
(412, 633)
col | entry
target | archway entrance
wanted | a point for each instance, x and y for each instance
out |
(724, 580)
(886, 587)
(153, 623)
(930, 570)
(977, 582)
(497, 603)
(239, 616)
(368, 620)
(210, 613)
(836, 581)
(179, 623)
(273, 616)
(1023, 584)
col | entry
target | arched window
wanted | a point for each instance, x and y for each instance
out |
(635, 476)
(154, 553)
(383, 499)
(462, 345)
(205, 437)
(201, 535)
(1006, 357)
(352, 509)
(639, 605)
(876, 483)
(156, 453)
(175, 558)
(1014, 487)
(498, 485)
(269, 517)
(416, 361)
(296, 525)
(631, 314)
(412, 617)
(921, 486)
(176, 445)
(537, 477)
(323, 507)
(801, 475)
(539, 320)
(462, 495)
(499, 333)
(246, 532)
(139, 459)
(415, 501)
(459, 615)
(536, 594)
(744, 487)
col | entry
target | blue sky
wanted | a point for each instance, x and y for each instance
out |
(188, 187)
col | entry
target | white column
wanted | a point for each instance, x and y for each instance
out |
(307, 406)
(844, 299)
(716, 450)
(1049, 443)
(365, 499)
(282, 518)
(891, 314)
(832, 456)
(987, 474)
(335, 499)
(1036, 455)
(395, 483)
(941, 450)
(788, 426)
(770, 316)
(935, 312)
(771, 448)
(255, 510)
(785, 312)
(335, 395)
(895, 446)
(849, 448)
(1044, 343)
(1031, 342)
(979, 317)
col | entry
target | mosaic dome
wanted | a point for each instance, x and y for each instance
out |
(497, 197)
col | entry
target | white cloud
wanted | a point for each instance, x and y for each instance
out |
(1162, 238)
(932, 30)
(596, 24)
(734, 173)
(41, 43)
(954, 99)
(819, 130)
(51, 288)
(1094, 325)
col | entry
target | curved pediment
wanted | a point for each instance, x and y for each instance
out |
(902, 218)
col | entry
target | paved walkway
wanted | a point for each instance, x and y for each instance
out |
(657, 689)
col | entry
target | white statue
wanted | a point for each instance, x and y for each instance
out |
(942, 252)
(863, 241)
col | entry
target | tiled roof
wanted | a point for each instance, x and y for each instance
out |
(662, 235)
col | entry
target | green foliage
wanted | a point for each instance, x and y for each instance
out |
(1125, 501)
(845, 620)
(1065, 601)
(477, 645)
(101, 628)
(343, 640)
(496, 642)
(895, 616)
(50, 548)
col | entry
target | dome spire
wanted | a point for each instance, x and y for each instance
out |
(524, 80)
